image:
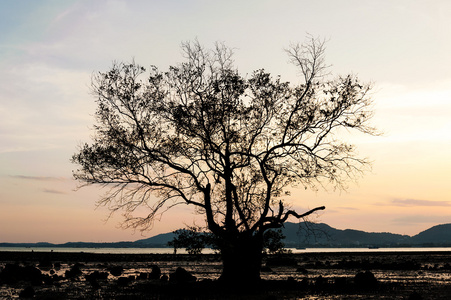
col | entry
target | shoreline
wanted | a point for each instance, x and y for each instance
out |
(144, 257)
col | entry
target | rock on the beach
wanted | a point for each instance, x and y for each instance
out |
(28, 292)
(181, 275)
(14, 272)
(266, 269)
(45, 264)
(415, 296)
(124, 281)
(302, 270)
(116, 270)
(340, 282)
(75, 271)
(96, 275)
(365, 280)
(156, 272)
(320, 281)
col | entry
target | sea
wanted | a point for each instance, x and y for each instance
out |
(210, 251)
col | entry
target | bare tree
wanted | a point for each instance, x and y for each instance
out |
(230, 146)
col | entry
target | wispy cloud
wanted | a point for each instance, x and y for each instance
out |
(348, 208)
(415, 202)
(39, 178)
(415, 219)
(51, 191)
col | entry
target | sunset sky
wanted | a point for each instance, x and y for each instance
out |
(49, 49)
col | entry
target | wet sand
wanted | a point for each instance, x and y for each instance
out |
(398, 275)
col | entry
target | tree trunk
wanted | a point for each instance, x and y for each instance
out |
(242, 259)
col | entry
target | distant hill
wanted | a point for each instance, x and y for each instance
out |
(304, 234)
(440, 234)
(158, 241)
(308, 234)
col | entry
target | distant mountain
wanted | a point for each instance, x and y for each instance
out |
(304, 234)
(440, 234)
(158, 241)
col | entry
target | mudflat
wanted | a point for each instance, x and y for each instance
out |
(350, 275)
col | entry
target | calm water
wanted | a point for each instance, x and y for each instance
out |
(207, 251)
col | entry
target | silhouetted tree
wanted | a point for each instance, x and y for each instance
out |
(273, 241)
(231, 146)
(192, 239)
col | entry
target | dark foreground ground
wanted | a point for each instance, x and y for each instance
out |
(55, 275)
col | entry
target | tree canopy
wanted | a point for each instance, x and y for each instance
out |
(230, 145)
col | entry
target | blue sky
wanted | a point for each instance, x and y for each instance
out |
(49, 49)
